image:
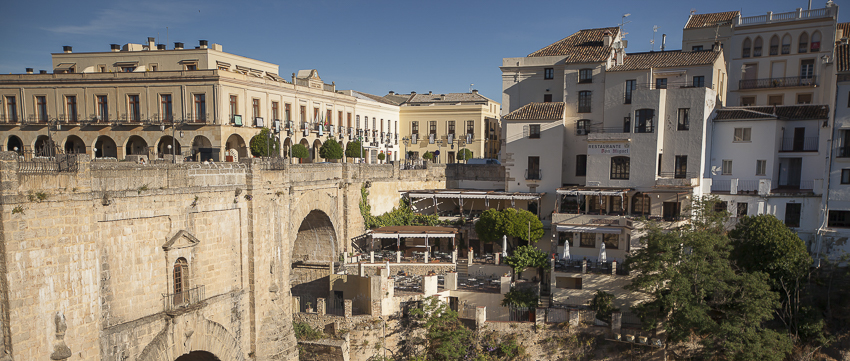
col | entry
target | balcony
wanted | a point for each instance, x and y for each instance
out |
(772, 18)
(180, 300)
(843, 152)
(791, 81)
(649, 128)
(805, 144)
(533, 174)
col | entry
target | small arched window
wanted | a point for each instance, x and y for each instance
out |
(786, 44)
(757, 45)
(815, 47)
(181, 281)
(774, 45)
(746, 49)
(640, 204)
(804, 43)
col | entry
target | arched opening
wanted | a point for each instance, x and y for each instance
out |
(74, 145)
(815, 47)
(774, 45)
(104, 147)
(181, 281)
(745, 49)
(202, 149)
(317, 144)
(786, 44)
(197, 356)
(757, 45)
(168, 145)
(313, 250)
(804, 43)
(287, 147)
(14, 144)
(42, 147)
(306, 145)
(235, 148)
(136, 146)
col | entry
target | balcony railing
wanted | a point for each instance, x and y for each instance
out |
(533, 174)
(806, 144)
(644, 128)
(680, 175)
(174, 301)
(843, 152)
(777, 82)
(771, 17)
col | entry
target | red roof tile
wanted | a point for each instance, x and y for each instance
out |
(666, 59)
(537, 111)
(584, 46)
(710, 20)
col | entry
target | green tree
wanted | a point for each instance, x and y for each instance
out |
(464, 154)
(300, 151)
(330, 150)
(353, 150)
(265, 144)
(518, 223)
(445, 337)
(519, 298)
(428, 156)
(603, 304)
(382, 156)
(528, 256)
(491, 226)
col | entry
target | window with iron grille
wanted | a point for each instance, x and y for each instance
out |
(534, 131)
(684, 121)
(585, 76)
(838, 219)
(620, 167)
(584, 101)
(681, 166)
(630, 87)
(792, 214)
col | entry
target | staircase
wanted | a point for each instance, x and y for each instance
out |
(462, 269)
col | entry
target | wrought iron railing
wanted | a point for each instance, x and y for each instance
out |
(805, 144)
(843, 152)
(47, 161)
(778, 82)
(535, 174)
(177, 300)
(677, 174)
(644, 128)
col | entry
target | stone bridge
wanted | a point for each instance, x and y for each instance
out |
(122, 261)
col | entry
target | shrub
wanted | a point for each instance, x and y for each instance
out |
(300, 151)
(331, 150)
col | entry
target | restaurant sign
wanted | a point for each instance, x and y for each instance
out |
(608, 149)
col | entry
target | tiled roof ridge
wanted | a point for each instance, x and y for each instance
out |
(538, 111)
(585, 45)
(709, 19)
(666, 59)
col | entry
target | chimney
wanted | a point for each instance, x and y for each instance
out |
(606, 38)
(203, 44)
(151, 43)
(716, 47)
(430, 93)
(67, 49)
(474, 91)
(42, 71)
(115, 47)
(178, 46)
(663, 41)
(160, 46)
(442, 97)
(392, 92)
(412, 92)
(29, 70)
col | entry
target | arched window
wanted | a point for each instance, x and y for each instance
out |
(746, 50)
(804, 43)
(815, 47)
(786, 44)
(757, 45)
(774, 45)
(640, 204)
(620, 167)
(181, 282)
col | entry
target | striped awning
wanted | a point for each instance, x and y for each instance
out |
(588, 229)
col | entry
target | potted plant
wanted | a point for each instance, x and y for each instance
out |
(309, 307)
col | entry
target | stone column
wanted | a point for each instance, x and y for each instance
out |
(362, 270)
(616, 322)
(540, 317)
(614, 267)
(480, 316)
(371, 256)
(497, 258)
(451, 281)
(426, 255)
(505, 284)
(397, 256)
(320, 306)
(348, 308)
(574, 317)
(296, 304)
(454, 257)
(584, 266)
(429, 285)
(384, 272)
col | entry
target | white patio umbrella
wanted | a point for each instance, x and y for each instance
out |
(566, 254)
(388, 269)
(504, 246)
(603, 257)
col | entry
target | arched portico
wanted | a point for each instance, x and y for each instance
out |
(104, 147)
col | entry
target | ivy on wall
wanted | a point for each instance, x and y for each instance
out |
(402, 215)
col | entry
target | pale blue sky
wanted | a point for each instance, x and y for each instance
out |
(371, 46)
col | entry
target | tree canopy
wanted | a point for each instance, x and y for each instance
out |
(265, 144)
(518, 223)
(300, 151)
(464, 154)
(603, 304)
(353, 150)
(528, 256)
(428, 156)
(331, 150)
(519, 298)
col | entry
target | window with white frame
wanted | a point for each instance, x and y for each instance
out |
(742, 134)
(761, 167)
(726, 168)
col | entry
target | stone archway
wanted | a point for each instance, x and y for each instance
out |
(198, 339)
(104, 147)
(313, 250)
(197, 356)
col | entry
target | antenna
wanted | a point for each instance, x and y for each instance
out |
(622, 23)
(652, 42)
(470, 87)
(693, 11)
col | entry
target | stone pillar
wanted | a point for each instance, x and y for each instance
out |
(497, 258)
(614, 267)
(371, 256)
(347, 306)
(384, 272)
(429, 285)
(451, 281)
(551, 275)
(583, 266)
(616, 322)
(480, 316)
(426, 255)
(540, 317)
(320, 306)
(574, 317)
(397, 256)
(296, 304)
(362, 270)
(454, 257)
(505, 284)
(331, 268)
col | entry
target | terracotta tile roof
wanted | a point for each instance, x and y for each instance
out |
(376, 98)
(846, 29)
(842, 58)
(584, 46)
(787, 112)
(538, 111)
(666, 59)
(449, 98)
(710, 20)
(397, 98)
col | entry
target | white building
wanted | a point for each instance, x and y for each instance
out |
(834, 230)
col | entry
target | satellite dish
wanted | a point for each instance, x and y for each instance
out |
(617, 45)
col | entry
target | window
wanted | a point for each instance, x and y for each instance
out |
(585, 76)
(303, 114)
(414, 131)
(804, 98)
(533, 171)
(640, 204)
(757, 47)
(643, 120)
(774, 100)
(845, 176)
(786, 44)
(432, 131)
(746, 48)
(792, 214)
(721, 206)
(102, 108)
(165, 104)
(547, 98)
(661, 83)
(470, 128)
(200, 107)
(181, 281)
(620, 167)
(41, 108)
(742, 209)
(838, 219)
(742, 135)
(584, 102)
(549, 73)
(726, 168)
(684, 122)
(71, 108)
(582, 127)
(255, 108)
(761, 167)
(128, 69)
(774, 45)
(329, 116)
(699, 81)
(534, 131)
(565, 239)
(696, 48)
(581, 165)
(339, 119)
(804, 43)
(627, 124)
(748, 101)
(681, 167)
(133, 102)
(234, 108)
(807, 67)
(612, 241)
(275, 111)
(630, 87)
(587, 240)
(451, 127)
(192, 66)
(11, 109)
(815, 47)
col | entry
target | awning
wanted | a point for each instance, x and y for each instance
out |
(413, 235)
(477, 195)
(126, 63)
(589, 229)
(593, 192)
(64, 67)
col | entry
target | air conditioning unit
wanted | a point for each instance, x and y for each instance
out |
(582, 131)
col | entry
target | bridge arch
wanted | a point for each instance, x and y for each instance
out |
(206, 341)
